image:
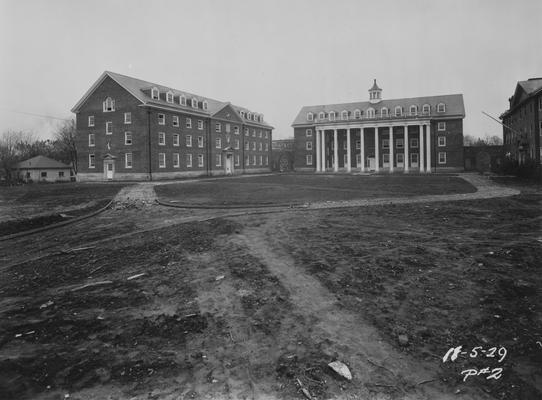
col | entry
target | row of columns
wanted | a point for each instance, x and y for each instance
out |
(321, 149)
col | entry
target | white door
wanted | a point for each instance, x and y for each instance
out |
(372, 164)
(400, 158)
(229, 164)
(109, 170)
(414, 160)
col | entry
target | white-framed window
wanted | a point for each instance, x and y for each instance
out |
(182, 100)
(176, 162)
(385, 143)
(266, 146)
(200, 142)
(175, 120)
(218, 160)
(414, 143)
(189, 122)
(345, 159)
(309, 146)
(413, 158)
(345, 145)
(188, 140)
(441, 126)
(176, 139)
(253, 132)
(128, 138)
(441, 141)
(194, 103)
(236, 130)
(442, 157)
(266, 160)
(399, 143)
(236, 142)
(237, 160)
(310, 116)
(398, 111)
(344, 115)
(162, 160)
(265, 135)
(162, 138)
(358, 145)
(260, 146)
(127, 160)
(247, 161)
(169, 97)
(383, 112)
(228, 128)
(371, 113)
(109, 128)
(249, 115)
(91, 120)
(200, 160)
(247, 132)
(91, 140)
(108, 105)
(426, 109)
(161, 119)
(242, 113)
(260, 134)
(91, 161)
(400, 158)
(254, 146)
(247, 145)
(332, 115)
(218, 143)
(413, 110)
(127, 117)
(254, 160)
(441, 108)
(261, 160)
(218, 127)
(386, 158)
(155, 93)
(200, 124)
(357, 114)
(189, 160)
(322, 115)
(308, 132)
(205, 105)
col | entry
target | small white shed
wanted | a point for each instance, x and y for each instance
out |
(44, 169)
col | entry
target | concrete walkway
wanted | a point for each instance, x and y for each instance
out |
(141, 194)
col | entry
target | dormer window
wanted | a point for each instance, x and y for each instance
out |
(441, 108)
(155, 94)
(371, 113)
(242, 114)
(344, 115)
(205, 105)
(398, 111)
(182, 100)
(413, 110)
(109, 105)
(384, 112)
(169, 97)
(426, 109)
(194, 103)
(249, 116)
(332, 115)
(322, 115)
(357, 114)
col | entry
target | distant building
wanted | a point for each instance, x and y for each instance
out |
(283, 155)
(522, 122)
(484, 158)
(413, 134)
(129, 129)
(44, 169)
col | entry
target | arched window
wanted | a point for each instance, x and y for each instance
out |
(169, 97)
(413, 110)
(205, 105)
(357, 114)
(249, 115)
(242, 114)
(384, 112)
(322, 115)
(344, 115)
(332, 115)
(441, 107)
(155, 93)
(109, 105)
(371, 113)
(182, 100)
(194, 102)
(398, 111)
(426, 109)
(310, 116)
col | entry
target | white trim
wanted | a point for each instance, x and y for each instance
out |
(92, 143)
(161, 119)
(176, 139)
(194, 102)
(188, 140)
(200, 142)
(332, 116)
(357, 114)
(441, 141)
(218, 143)
(310, 116)
(415, 107)
(441, 126)
(442, 160)
(161, 138)
(161, 160)
(127, 118)
(92, 160)
(91, 118)
(426, 107)
(343, 117)
(108, 104)
(126, 134)
(182, 100)
(371, 113)
(382, 112)
(200, 124)
(169, 97)
(126, 164)
(400, 113)
(108, 127)
(188, 123)
(189, 160)
(200, 160)
(439, 107)
(176, 160)
(205, 105)
(153, 90)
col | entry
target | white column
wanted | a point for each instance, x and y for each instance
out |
(323, 150)
(335, 151)
(377, 156)
(428, 145)
(362, 148)
(391, 148)
(406, 147)
(349, 152)
(421, 151)
(318, 151)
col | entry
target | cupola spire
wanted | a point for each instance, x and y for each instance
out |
(375, 94)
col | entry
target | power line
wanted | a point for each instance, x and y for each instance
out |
(35, 115)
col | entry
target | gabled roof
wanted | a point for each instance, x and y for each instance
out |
(41, 162)
(140, 89)
(454, 107)
(375, 87)
(523, 91)
(532, 85)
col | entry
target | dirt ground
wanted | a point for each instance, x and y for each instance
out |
(251, 304)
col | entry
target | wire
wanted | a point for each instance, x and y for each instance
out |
(35, 115)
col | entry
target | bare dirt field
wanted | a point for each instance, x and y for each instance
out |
(255, 303)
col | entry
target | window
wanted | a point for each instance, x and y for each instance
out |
(345, 145)
(200, 141)
(249, 115)
(310, 116)
(253, 160)
(189, 160)
(253, 132)
(175, 120)
(308, 132)
(109, 105)
(128, 160)
(358, 145)
(386, 158)
(247, 161)
(161, 119)
(218, 127)
(246, 132)
(236, 130)
(261, 160)
(260, 146)
(162, 160)
(176, 139)
(398, 111)
(218, 143)
(44, 174)
(345, 160)
(413, 110)
(385, 143)
(182, 100)
(61, 174)
(162, 138)
(384, 112)
(442, 141)
(266, 160)
(442, 157)
(247, 145)
(266, 135)
(91, 140)
(176, 161)
(441, 108)
(441, 126)
(242, 114)
(236, 144)
(91, 120)
(200, 124)
(332, 115)
(254, 146)
(194, 103)
(267, 147)
(260, 134)
(218, 159)
(169, 97)
(128, 138)
(237, 160)
(344, 115)
(426, 109)
(399, 143)
(188, 140)
(414, 143)
(400, 158)
(200, 160)
(127, 117)
(370, 113)
(309, 146)
(413, 158)
(189, 122)
(205, 105)
(155, 93)
(91, 163)
(109, 128)
(322, 115)
(357, 114)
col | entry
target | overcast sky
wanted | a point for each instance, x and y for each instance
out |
(272, 57)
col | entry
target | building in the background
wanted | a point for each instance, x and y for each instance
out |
(283, 155)
(413, 134)
(522, 122)
(484, 158)
(132, 129)
(43, 169)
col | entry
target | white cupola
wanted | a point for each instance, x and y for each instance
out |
(375, 94)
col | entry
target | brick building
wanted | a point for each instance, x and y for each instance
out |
(129, 129)
(522, 122)
(413, 134)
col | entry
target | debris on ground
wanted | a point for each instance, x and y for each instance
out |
(136, 276)
(341, 369)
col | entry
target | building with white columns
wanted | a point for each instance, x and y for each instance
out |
(420, 134)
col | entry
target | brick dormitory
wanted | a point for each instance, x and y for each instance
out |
(130, 129)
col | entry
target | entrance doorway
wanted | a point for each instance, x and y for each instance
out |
(228, 165)
(372, 164)
(109, 170)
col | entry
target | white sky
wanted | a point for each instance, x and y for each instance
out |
(269, 56)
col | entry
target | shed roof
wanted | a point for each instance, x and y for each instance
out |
(41, 162)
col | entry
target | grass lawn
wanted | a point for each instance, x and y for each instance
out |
(293, 188)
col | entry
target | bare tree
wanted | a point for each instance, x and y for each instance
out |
(469, 140)
(487, 140)
(11, 150)
(65, 140)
